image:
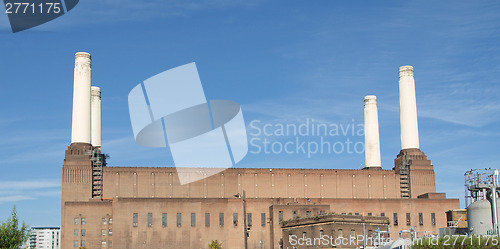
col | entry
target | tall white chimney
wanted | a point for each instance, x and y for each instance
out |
(408, 109)
(372, 138)
(96, 116)
(80, 131)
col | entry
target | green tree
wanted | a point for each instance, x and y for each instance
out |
(215, 245)
(12, 236)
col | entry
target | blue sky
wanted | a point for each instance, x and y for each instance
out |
(285, 62)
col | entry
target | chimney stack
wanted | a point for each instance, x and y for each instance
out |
(372, 139)
(96, 116)
(408, 109)
(81, 127)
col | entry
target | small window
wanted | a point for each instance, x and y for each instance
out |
(280, 216)
(408, 219)
(207, 219)
(353, 233)
(103, 243)
(104, 221)
(294, 215)
(263, 219)
(322, 212)
(395, 219)
(370, 214)
(179, 219)
(193, 219)
(321, 233)
(84, 221)
(83, 243)
(304, 235)
(421, 219)
(164, 219)
(433, 219)
(75, 232)
(104, 232)
(150, 219)
(110, 221)
(249, 219)
(84, 232)
(75, 243)
(382, 214)
(110, 243)
(110, 232)
(356, 213)
(135, 219)
(340, 233)
(308, 214)
(76, 223)
(221, 219)
(235, 219)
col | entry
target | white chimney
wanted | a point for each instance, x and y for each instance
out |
(372, 138)
(408, 109)
(80, 131)
(96, 116)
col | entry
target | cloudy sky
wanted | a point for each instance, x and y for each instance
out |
(285, 62)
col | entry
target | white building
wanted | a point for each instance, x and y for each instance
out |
(44, 238)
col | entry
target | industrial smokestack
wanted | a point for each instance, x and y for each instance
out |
(80, 131)
(96, 116)
(408, 109)
(372, 139)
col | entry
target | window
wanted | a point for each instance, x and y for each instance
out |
(84, 232)
(179, 219)
(150, 219)
(84, 221)
(135, 219)
(408, 219)
(75, 232)
(193, 219)
(221, 219)
(75, 243)
(304, 235)
(83, 243)
(294, 215)
(421, 219)
(110, 232)
(263, 219)
(235, 219)
(207, 219)
(110, 243)
(322, 212)
(321, 233)
(356, 213)
(103, 243)
(370, 214)
(104, 232)
(104, 221)
(76, 221)
(308, 214)
(433, 219)
(382, 214)
(340, 233)
(353, 233)
(249, 219)
(110, 221)
(164, 220)
(280, 216)
(395, 219)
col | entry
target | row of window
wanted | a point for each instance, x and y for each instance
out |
(77, 244)
(420, 219)
(83, 232)
(83, 221)
(164, 219)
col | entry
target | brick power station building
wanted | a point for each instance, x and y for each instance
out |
(144, 207)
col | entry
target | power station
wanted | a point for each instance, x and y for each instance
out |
(146, 207)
